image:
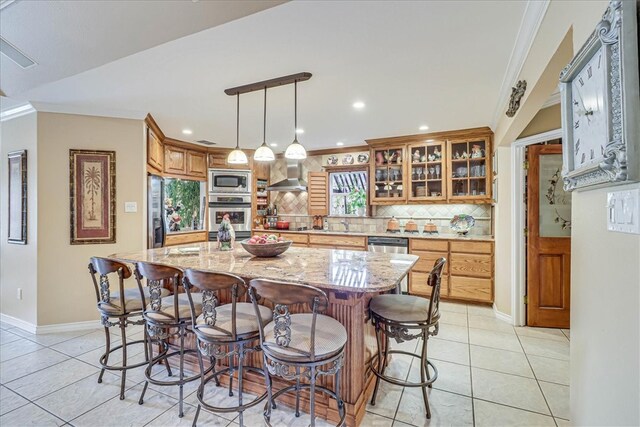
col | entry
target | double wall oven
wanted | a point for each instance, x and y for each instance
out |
(230, 193)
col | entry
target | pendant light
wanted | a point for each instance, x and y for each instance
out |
(264, 153)
(295, 150)
(237, 156)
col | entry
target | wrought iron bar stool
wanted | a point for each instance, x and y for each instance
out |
(167, 317)
(300, 346)
(117, 308)
(228, 331)
(405, 318)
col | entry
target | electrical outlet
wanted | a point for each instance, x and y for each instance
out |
(19, 293)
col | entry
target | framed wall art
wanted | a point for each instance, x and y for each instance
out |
(600, 104)
(17, 215)
(92, 186)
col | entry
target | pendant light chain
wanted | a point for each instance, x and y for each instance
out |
(295, 108)
(237, 121)
(264, 121)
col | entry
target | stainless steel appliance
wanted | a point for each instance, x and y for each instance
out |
(229, 181)
(239, 209)
(391, 245)
(157, 231)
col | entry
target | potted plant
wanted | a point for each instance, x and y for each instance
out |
(358, 201)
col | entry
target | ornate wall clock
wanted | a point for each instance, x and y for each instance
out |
(601, 103)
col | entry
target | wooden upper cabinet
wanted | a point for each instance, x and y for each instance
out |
(175, 160)
(218, 159)
(155, 151)
(427, 171)
(469, 163)
(318, 193)
(387, 178)
(196, 164)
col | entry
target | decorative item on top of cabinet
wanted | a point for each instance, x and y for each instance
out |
(428, 171)
(470, 170)
(388, 175)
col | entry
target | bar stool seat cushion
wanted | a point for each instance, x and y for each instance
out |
(167, 311)
(246, 320)
(331, 336)
(401, 308)
(132, 301)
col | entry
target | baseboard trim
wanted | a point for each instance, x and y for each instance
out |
(49, 329)
(502, 316)
(18, 323)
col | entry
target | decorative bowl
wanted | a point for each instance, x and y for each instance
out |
(462, 223)
(266, 250)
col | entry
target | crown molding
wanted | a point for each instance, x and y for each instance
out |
(554, 99)
(15, 112)
(529, 26)
(45, 107)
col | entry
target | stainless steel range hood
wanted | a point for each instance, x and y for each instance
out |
(294, 181)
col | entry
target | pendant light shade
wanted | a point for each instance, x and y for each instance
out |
(237, 156)
(295, 150)
(264, 153)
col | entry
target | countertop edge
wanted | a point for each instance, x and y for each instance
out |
(472, 238)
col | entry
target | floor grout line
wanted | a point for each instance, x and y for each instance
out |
(473, 407)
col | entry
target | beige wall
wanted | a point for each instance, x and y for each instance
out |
(18, 262)
(605, 316)
(502, 220)
(545, 120)
(65, 292)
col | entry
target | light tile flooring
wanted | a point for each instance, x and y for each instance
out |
(490, 373)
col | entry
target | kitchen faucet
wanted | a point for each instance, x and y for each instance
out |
(346, 225)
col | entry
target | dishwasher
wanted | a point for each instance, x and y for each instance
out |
(391, 245)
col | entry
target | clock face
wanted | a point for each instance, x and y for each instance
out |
(589, 112)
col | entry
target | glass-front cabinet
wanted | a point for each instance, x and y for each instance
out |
(470, 169)
(388, 174)
(427, 171)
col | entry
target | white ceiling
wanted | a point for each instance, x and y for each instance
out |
(436, 63)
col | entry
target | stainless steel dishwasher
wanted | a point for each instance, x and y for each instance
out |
(391, 245)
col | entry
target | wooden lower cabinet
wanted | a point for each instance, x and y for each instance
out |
(182, 238)
(334, 241)
(475, 265)
(471, 288)
(297, 239)
(418, 284)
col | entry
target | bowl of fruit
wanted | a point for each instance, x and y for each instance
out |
(266, 245)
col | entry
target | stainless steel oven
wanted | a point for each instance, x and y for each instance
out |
(239, 209)
(229, 181)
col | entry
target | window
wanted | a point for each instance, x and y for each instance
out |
(348, 193)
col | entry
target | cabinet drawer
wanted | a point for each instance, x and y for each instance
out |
(418, 284)
(340, 247)
(427, 260)
(296, 238)
(471, 265)
(429, 245)
(471, 288)
(336, 240)
(472, 247)
(180, 239)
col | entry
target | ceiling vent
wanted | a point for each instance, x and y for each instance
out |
(14, 54)
(205, 142)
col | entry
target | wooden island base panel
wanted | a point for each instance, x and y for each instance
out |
(350, 279)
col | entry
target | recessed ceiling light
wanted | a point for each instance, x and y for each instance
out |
(187, 131)
(340, 143)
(424, 127)
(299, 131)
(273, 144)
(358, 105)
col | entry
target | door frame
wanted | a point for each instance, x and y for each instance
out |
(519, 222)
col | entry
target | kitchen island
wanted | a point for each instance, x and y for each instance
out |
(350, 279)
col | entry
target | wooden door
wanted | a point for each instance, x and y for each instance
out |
(318, 193)
(549, 239)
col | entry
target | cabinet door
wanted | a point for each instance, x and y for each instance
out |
(155, 151)
(427, 260)
(196, 164)
(418, 284)
(472, 265)
(388, 181)
(217, 160)
(471, 288)
(175, 160)
(470, 170)
(427, 172)
(318, 193)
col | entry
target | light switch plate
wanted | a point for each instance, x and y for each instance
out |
(623, 211)
(130, 207)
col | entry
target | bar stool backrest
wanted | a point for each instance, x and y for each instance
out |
(283, 294)
(159, 276)
(434, 281)
(104, 267)
(210, 284)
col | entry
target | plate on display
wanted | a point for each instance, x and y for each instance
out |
(462, 223)
(363, 158)
(332, 160)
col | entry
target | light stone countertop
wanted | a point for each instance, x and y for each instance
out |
(339, 270)
(440, 236)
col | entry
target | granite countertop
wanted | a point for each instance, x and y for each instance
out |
(441, 236)
(339, 270)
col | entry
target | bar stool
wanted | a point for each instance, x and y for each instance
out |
(224, 332)
(121, 305)
(311, 344)
(167, 317)
(398, 316)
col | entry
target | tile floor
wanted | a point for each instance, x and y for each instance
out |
(490, 373)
